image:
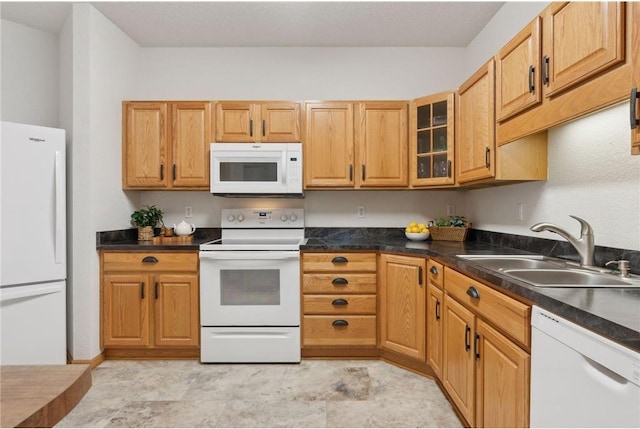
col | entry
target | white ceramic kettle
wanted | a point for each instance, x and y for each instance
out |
(184, 228)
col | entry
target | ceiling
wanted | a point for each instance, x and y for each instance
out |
(282, 24)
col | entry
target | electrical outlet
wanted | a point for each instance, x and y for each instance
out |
(519, 212)
(188, 211)
(361, 211)
(451, 210)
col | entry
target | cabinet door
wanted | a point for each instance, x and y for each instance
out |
(635, 76)
(402, 305)
(125, 311)
(280, 122)
(191, 135)
(518, 72)
(381, 140)
(475, 126)
(435, 309)
(581, 39)
(458, 364)
(328, 145)
(431, 143)
(145, 155)
(502, 380)
(235, 122)
(177, 319)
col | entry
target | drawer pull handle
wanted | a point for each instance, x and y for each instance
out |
(340, 281)
(340, 322)
(476, 352)
(473, 292)
(434, 270)
(467, 338)
(437, 309)
(150, 259)
(339, 260)
(340, 301)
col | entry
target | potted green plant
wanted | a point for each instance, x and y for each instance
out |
(146, 219)
(451, 228)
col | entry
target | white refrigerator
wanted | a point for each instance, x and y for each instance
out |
(33, 266)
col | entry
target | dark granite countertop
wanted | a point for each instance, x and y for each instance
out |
(127, 239)
(613, 313)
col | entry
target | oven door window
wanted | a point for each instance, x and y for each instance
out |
(250, 287)
(248, 171)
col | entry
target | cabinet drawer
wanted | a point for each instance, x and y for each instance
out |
(339, 283)
(507, 314)
(156, 261)
(435, 273)
(323, 331)
(339, 304)
(339, 262)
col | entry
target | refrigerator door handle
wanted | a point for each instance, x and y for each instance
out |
(19, 292)
(59, 207)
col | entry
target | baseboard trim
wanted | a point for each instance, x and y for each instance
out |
(94, 362)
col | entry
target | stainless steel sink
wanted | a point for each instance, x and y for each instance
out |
(542, 271)
(506, 262)
(571, 278)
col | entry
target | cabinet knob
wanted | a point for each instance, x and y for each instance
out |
(473, 292)
(433, 270)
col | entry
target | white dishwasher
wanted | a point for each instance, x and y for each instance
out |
(579, 378)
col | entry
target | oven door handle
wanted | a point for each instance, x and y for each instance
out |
(241, 255)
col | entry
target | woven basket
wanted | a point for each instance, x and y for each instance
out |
(145, 233)
(449, 233)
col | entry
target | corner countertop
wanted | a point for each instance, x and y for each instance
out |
(612, 313)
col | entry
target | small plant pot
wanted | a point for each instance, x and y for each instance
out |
(145, 233)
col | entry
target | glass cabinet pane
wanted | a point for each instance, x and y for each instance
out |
(439, 113)
(440, 139)
(424, 167)
(424, 141)
(440, 165)
(424, 116)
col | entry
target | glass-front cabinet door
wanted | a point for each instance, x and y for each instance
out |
(431, 152)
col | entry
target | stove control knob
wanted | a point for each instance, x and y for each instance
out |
(240, 217)
(284, 217)
(293, 217)
(231, 218)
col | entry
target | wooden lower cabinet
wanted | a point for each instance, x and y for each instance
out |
(402, 305)
(485, 373)
(150, 308)
(339, 303)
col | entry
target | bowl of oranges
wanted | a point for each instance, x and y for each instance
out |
(416, 231)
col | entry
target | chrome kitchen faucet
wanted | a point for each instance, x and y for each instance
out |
(584, 245)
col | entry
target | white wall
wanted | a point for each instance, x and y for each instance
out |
(97, 72)
(29, 75)
(591, 173)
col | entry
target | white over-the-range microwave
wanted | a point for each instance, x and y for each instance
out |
(256, 169)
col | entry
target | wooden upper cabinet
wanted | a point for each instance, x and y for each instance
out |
(280, 122)
(432, 140)
(381, 139)
(145, 150)
(166, 145)
(266, 122)
(635, 78)
(518, 72)
(328, 145)
(475, 126)
(191, 135)
(403, 305)
(581, 39)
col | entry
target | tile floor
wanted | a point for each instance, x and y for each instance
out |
(315, 393)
